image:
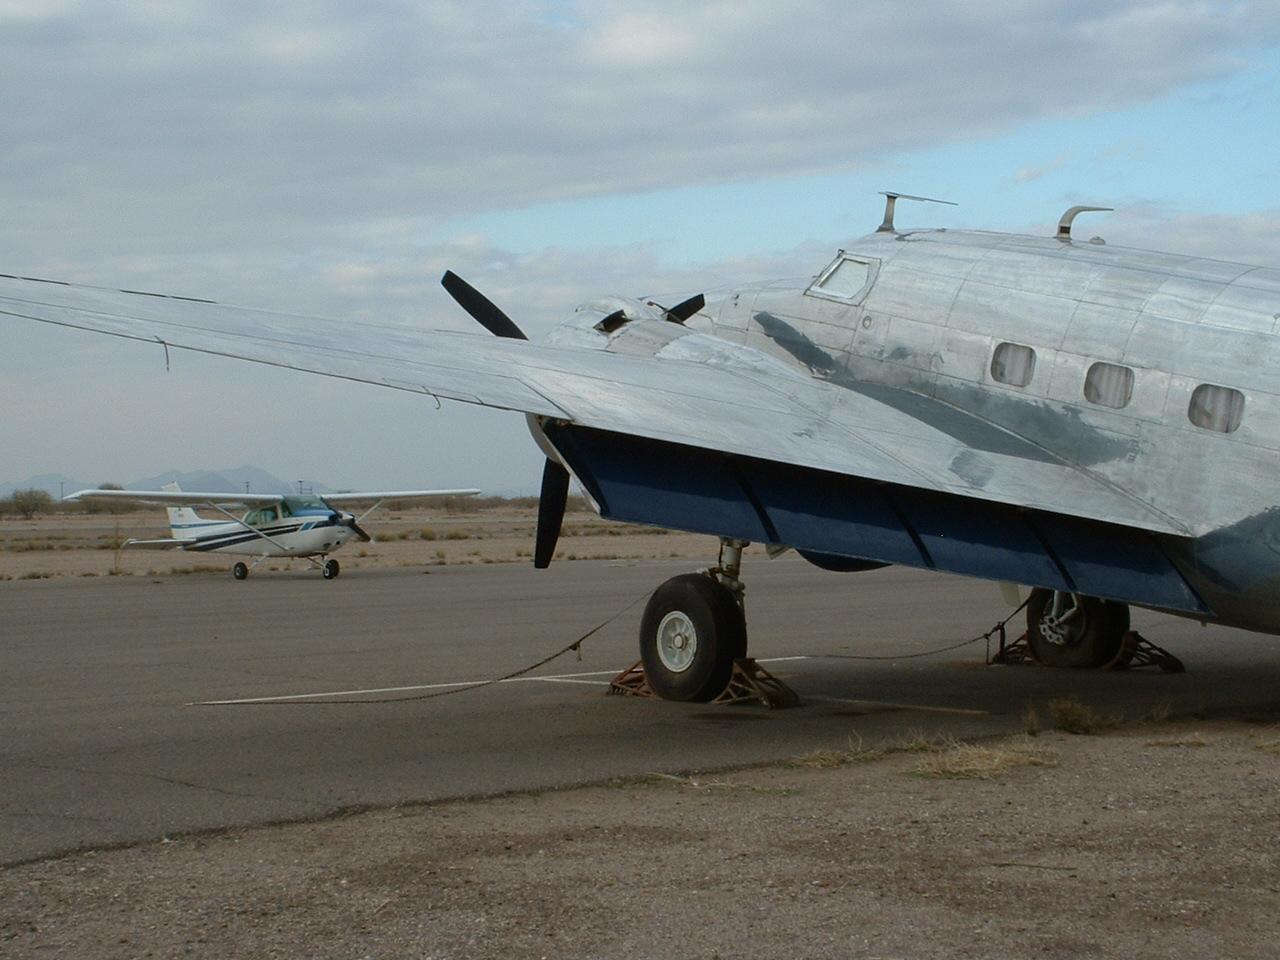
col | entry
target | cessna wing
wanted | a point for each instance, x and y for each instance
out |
(172, 497)
(361, 496)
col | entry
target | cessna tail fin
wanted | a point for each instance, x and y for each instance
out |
(180, 518)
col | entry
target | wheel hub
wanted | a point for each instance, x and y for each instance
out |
(677, 641)
(1061, 623)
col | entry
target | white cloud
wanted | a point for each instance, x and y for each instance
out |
(237, 125)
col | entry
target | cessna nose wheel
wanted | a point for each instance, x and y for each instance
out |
(330, 570)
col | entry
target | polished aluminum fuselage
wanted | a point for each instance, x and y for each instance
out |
(939, 302)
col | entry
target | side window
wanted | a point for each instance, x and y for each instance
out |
(1109, 385)
(1014, 364)
(1216, 408)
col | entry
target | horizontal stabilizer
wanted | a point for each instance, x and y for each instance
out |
(166, 544)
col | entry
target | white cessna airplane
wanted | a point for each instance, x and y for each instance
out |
(309, 527)
(1096, 422)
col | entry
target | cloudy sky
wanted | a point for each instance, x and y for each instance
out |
(316, 159)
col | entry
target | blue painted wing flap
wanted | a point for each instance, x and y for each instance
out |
(828, 513)
(1117, 563)
(648, 481)
(981, 539)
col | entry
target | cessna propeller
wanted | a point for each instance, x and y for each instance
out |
(349, 521)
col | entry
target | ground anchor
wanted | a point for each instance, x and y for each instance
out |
(749, 682)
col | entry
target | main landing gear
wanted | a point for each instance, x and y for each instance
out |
(693, 630)
(329, 569)
(1068, 630)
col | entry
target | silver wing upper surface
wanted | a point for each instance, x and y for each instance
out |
(698, 390)
(184, 497)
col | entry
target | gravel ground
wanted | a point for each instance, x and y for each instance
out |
(1156, 840)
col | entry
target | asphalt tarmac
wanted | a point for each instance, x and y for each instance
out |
(138, 708)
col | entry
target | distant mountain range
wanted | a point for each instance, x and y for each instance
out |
(231, 480)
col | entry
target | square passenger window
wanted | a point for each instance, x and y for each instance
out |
(845, 279)
(1216, 408)
(1109, 384)
(1014, 364)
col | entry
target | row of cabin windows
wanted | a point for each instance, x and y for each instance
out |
(1111, 385)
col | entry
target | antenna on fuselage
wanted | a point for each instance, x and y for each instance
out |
(891, 198)
(1064, 225)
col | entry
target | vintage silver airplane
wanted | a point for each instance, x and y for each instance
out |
(275, 525)
(1101, 424)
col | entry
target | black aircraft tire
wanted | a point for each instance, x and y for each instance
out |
(330, 570)
(691, 632)
(240, 571)
(1092, 640)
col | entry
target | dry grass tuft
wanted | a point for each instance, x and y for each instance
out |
(917, 742)
(977, 761)
(1072, 716)
(831, 759)
(1268, 744)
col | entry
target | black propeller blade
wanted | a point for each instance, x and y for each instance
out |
(358, 530)
(349, 521)
(551, 505)
(481, 307)
(685, 309)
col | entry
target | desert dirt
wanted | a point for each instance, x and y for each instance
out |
(1155, 839)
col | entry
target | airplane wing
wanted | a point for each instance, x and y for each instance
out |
(190, 498)
(781, 444)
(364, 497)
(706, 394)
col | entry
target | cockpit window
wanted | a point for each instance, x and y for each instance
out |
(846, 279)
(256, 518)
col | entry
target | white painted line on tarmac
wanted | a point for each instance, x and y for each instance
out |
(556, 678)
(900, 706)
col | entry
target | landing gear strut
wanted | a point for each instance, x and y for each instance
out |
(1069, 630)
(693, 629)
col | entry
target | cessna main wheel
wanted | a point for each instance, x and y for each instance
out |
(691, 632)
(330, 569)
(1068, 630)
(240, 571)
